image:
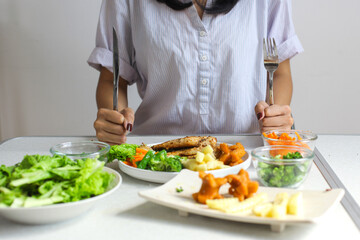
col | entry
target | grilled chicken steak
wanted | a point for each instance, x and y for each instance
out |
(187, 146)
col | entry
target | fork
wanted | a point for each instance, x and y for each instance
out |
(271, 63)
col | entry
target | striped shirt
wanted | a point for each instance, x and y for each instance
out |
(195, 76)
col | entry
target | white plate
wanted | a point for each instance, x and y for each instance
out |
(162, 177)
(58, 212)
(316, 203)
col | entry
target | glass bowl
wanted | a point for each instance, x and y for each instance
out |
(274, 171)
(82, 150)
(300, 138)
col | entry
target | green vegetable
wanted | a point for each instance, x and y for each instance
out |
(283, 174)
(151, 161)
(145, 161)
(122, 152)
(161, 162)
(179, 189)
(292, 155)
(42, 180)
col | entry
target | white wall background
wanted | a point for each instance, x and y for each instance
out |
(47, 88)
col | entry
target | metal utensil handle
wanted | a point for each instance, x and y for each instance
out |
(115, 70)
(271, 91)
(115, 95)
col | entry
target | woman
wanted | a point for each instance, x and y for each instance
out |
(198, 66)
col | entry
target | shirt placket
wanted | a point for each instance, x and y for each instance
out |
(204, 71)
(204, 64)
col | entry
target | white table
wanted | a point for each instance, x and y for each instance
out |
(124, 215)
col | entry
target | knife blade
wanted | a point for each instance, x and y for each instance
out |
(115, 70)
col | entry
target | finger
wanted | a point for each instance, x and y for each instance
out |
(102, 124)
(285, 121)
(129, 117)
(110, 127)
(110, 116)
(259, 109)
(110, 137)
(277, 110)
(271, 129)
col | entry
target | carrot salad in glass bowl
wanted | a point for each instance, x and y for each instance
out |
(306, 139)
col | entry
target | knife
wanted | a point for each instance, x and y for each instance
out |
(115, 70)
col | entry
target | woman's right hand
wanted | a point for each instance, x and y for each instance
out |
(111, 126)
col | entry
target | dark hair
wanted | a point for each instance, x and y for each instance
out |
(220, 6)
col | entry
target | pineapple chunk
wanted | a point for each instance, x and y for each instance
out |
(211, 165)
(208, 157)
(279, 208)
(277, 211)
(190, 164)
(262, 210)
(200, 157)
(281, 199)
(236, 206)
(201, 167)
(208, 149)
(296, 205)
(222, 204)
(221, 166)
(248, 203)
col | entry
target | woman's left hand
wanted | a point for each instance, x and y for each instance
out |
(274, 117)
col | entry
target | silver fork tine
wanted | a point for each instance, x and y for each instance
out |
(271, 63)
(275, 48)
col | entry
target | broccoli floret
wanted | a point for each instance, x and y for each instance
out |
(161, 162)
(174, 164)
(292, 155)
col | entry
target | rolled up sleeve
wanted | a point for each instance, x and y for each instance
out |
(281, 27)
(114, 14)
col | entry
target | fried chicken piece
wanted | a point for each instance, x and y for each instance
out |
(209, 188)
(185, 152)
(191, 152)
(231, 155)
(241, 186)
(187, 146)
(186, 142)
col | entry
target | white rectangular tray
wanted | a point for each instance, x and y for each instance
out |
(316, 203)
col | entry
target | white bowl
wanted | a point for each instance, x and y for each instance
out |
(58, 212)
(162, 177)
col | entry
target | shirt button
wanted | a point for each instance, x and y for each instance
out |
(202, 33)
(204, 81)
(204, 58)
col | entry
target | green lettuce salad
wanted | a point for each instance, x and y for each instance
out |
(151, 161)
(122, 152)
(43, 180)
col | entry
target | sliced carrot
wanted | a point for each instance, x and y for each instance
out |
(298, 136)
(285, 139)
(141, 150)
(138, 157)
